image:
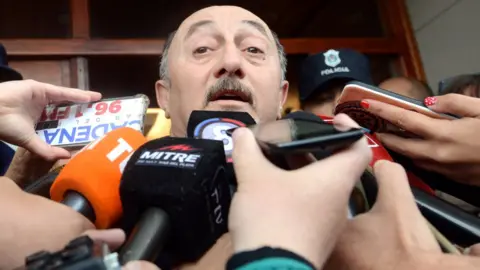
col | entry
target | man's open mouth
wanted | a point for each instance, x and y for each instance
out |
(235, 95)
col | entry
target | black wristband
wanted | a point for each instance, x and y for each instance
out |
(240, 259)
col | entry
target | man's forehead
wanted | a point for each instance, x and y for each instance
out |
(222, 15)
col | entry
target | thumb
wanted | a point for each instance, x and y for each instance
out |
(457, 104)
(140, 265)
(114, 238)
(394, 193)
(41, 148)
(247, 155)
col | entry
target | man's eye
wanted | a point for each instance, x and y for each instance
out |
(254, 50)
(201, 50)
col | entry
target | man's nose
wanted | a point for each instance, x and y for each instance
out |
(231, 63)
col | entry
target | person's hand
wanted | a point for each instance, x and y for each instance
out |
(473, 250)
(302, 210)
(31, 223)
(393, 234)
(394, 225)
(448, 147)
(114, 238)
(26, 167)
(140, 265)
(21, 105)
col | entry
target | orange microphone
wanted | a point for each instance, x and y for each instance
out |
(90, 182)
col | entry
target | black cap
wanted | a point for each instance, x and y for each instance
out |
(7, 73)
(320, 69)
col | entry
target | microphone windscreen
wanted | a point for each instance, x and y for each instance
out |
(95, 173)
(185, 178)
(213, 124)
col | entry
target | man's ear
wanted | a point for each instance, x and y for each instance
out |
(283, 97)
(163, 95)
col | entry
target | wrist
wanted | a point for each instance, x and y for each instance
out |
(312, 249)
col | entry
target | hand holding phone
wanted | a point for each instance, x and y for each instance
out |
(354, 92)
(295, 136)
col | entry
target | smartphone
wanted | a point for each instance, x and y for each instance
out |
(354, 92)
(298, 136)
(73, 126)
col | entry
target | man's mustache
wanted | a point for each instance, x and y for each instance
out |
(229, 83)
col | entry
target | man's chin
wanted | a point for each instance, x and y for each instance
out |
(229, 105)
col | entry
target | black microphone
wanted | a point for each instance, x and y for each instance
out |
(175, 193)
(212, 125)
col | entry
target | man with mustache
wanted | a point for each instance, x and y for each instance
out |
(222, 58)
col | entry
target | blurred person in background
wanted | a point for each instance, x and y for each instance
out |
(408, 87)
(323, 76)
(7, 151)
(468, 85)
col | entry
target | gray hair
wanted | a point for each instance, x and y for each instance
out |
(166, 47)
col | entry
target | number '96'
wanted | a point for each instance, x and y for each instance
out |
(113, 107)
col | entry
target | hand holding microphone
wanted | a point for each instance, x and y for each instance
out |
(302, 210)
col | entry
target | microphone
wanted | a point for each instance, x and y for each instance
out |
(41, 186)
(212, 125)
(176, 189)
(89, 182)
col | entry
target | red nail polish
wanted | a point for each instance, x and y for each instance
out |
(364, 104)
(430, 101)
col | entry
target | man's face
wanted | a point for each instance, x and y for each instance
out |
(222, 58)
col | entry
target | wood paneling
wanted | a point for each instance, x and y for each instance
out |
(34, 19)
(50, 71)
(79, 73)
(400, 28)
(80, 18)
(80, 47)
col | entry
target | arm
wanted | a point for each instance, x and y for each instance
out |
(31, 223)
(27, 167)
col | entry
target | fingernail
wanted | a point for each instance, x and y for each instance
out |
(364, 104)
(430, 101)
(238, 133)
(133, 266)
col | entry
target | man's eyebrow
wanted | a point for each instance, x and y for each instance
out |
(257, 26)
(194, 27)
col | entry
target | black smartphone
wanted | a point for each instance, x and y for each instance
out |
(297, 136)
